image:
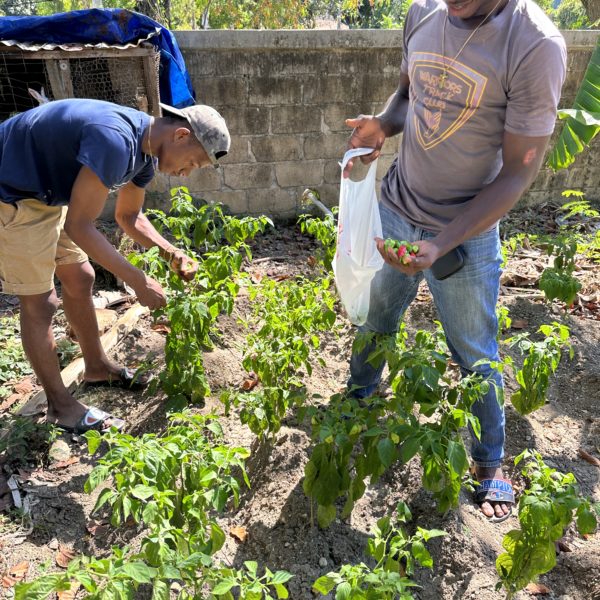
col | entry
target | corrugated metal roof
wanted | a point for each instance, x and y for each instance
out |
(35, 46)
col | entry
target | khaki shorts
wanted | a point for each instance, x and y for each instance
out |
(32, 243)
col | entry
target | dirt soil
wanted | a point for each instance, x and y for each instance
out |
(276, 513)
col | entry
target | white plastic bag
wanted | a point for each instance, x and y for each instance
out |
(357, 258)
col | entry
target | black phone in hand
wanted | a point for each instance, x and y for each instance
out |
(448, 264)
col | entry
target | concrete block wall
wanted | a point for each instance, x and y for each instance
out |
(285, 95)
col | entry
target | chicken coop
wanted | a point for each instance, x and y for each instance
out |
(128, 76)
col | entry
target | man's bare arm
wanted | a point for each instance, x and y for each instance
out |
(88, 198)
(131, 219)
(393, 116)
(522, 158)
(371, 131)
(129, 215)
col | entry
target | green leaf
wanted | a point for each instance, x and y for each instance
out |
(343, 591)
(150, 512)
(409, 448)
(421, 554)
(39, 589)
(324, 585)
(160, 590)
(586, 520)
(143, 492)
(95, 478)
(224, 586)
(103, 498)
(217, 536)
(579, 130)
(457, 457)
(581, 116)
(387, 452)
(281, 577)
(504, 565)
(325, 515)
(86, 580)
(140, 572)
(94, 439)
(281, 590)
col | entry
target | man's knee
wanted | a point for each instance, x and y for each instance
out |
(77, 280)
(39, 307)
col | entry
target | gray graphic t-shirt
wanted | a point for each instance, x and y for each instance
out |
(508, 77)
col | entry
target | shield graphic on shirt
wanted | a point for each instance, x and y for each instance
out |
(444, 96)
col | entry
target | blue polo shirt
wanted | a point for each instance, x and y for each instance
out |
(43, 149)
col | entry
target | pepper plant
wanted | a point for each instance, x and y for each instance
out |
(541, 361)
(357, 440)
(218, 242)
(557, 282)
(325, 231)
(546, 509)
(192, 310)
(170, 483)
(395, 553)
(247, 583)
(120, 575)
(354, 442)
(202, 227)
(420, 376)
(287, 316)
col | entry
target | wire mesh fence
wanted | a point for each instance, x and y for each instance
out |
(128, 77)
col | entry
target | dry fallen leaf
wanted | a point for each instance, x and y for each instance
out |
(23, 387)
(10, 400)
(64, 556)
(239, 533)
(250, 382)
(161, 328)
(519, 324)
(69, 594)
(538, 589)
(15, 574)
(588, 457)
(61, 464)
(97, 528)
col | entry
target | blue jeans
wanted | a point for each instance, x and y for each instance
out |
(466, 305)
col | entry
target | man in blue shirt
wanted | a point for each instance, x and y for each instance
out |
(58, 163)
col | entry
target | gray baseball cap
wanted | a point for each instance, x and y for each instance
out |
(208, 126)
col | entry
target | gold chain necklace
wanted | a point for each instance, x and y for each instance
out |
(446, 68)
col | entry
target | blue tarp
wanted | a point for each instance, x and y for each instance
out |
(114, 27)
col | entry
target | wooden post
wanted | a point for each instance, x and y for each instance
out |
(59, 74)
(151, 81)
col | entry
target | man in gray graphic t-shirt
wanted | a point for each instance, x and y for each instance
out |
(479, 86)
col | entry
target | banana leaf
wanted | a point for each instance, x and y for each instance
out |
(583, 121)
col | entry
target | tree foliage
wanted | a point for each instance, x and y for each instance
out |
(283, 14)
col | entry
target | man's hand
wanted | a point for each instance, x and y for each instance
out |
(428, 253)
(183, 265)
(149, 292)
(367, 133)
